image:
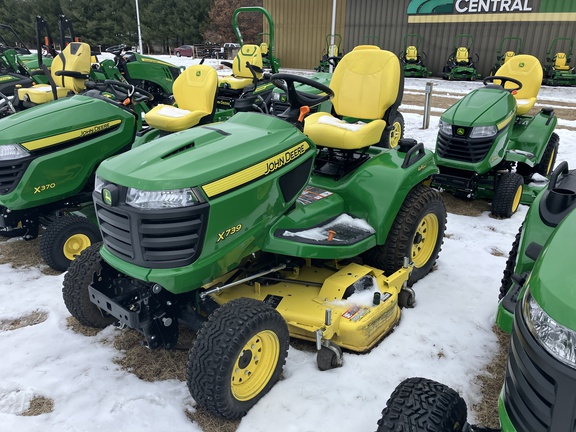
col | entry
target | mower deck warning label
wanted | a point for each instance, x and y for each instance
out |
(312, 194)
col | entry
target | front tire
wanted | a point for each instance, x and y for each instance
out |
(417, 233)
(237, 357)
(75, 289)
(510, 265)
(178, 54)
(419, 404)
(65, 239)
(507, 195)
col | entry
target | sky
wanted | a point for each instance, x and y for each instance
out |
(447, 337)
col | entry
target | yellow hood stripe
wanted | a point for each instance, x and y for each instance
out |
(69, 136)
(256, 171)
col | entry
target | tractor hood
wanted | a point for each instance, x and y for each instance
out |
(552, 281)
(205, 154)
(61, 121)
(481, 107)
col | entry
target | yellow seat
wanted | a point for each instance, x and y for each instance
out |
(528, 70)
(462, 55)
(561, 62)
(70, 70)
(411, 53)
(194, 93)
(508, 55)
(367, 84)
(264, 48)
(241, 74)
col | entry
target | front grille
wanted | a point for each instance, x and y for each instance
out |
(10, 174)
(538, 390)
(463, 149)
(164, 238)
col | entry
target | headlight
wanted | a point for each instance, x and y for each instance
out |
(98, 184)
(162, 199)
(483, 131)
(12, 151)
(445, 128)
(554, 337)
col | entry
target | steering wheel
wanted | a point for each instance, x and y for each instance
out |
(503, 80)
(116, 49)
(298, 99)
(125, 90)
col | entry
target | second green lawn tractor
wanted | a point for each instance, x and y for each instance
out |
(461, 64)
(538, 308)
(514, 47)
(489, 146)
(413, 58)
(249, 231)
(558, 71)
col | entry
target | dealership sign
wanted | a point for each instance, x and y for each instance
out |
(492, 6)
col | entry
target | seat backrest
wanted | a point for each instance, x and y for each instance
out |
(462, 55)
(75, 57)
(250, 54)
(195, 88)
(560, 61)
(264, 48)
(526, 69)
(411, 53)
(366, 83)
(508, 55)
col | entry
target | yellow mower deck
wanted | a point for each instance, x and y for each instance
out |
(355, 326)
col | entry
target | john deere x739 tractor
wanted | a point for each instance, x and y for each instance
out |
(489, 146)
(250, 231)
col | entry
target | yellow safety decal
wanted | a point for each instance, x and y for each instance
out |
(264, 87)
(8, 78)
(255, 171)
(505, 122)
(68, 136)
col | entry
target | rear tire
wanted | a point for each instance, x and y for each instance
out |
(420, 404)
(237, 357)
(397, 132)
(417, 233)
(75, 289)
(507, 195)
(65, 239)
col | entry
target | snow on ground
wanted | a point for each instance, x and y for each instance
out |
(447, 337)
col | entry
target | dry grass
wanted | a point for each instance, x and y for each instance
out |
(491, 382)
(464, 207)
(31, 319)
(24, 254)
(39, 405)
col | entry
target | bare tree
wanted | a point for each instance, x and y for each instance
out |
(220, 28)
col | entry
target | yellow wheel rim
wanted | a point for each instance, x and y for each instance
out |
(75, 244)
(255, 365)
(395, 134)
(425, 240)
(549, 168)
(517, 197)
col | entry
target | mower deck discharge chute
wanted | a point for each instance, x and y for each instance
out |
(489, 146)
(250, 231)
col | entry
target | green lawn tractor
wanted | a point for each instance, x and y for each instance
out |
(249, 231)
(248, 89)
(332, 54)
(558, 71)
(49, 154)
(513, 47)
(412, 57)
(489, 146)
(539, 310)
(461, 64)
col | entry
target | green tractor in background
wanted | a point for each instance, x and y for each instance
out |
(413, 58)
(489, 146)
(537, 307)
(461, 64)
(513, 47)
(557, 70)
(249, 231)
(331, 54)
